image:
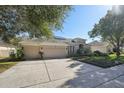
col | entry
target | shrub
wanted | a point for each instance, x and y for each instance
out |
(83, 51)
(111, 52)
(87, 52)
(104, 54)
(12, 55)
(79, 52)
(18, 55)
(98, 53)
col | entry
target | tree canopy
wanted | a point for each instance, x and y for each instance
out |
(111, 28)
(35, 20)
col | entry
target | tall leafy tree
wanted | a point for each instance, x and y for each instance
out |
(35, 20)
(7, 24)
(111, 28)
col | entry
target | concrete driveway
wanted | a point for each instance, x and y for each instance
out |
(61, 73)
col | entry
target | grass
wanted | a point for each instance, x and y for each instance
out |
(102, 61)
(6, 65)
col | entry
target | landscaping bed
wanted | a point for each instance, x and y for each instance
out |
(6, 65)
(102, 61)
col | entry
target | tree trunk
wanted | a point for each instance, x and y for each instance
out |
(118, 50)
(117, 53)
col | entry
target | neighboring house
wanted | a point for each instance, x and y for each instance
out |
(100, 46)
(53, 48)
(5, 49)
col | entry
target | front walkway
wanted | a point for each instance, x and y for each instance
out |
(61, 73)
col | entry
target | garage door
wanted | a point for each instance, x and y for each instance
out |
(31, 52)
(55, 52)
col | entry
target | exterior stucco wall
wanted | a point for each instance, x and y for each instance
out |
(5, 51)
(99, 48)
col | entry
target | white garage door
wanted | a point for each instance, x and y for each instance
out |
(31, 52)
(55, 52)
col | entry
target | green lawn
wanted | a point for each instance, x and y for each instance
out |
(6, 65)
(102, 61)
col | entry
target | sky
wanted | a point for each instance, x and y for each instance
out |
(81, 20)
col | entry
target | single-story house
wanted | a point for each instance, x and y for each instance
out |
(50, 49)
(5, 49)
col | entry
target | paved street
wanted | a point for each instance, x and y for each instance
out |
(61, 73)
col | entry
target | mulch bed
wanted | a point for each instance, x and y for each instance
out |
(102, 63)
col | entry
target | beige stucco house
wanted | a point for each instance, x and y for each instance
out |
(50, 48)
(103, 47)
(5, 49)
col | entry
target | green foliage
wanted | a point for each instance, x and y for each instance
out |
(102, 61)
(83, 50)
(98, 53)
(111, 28)
(35, 20)
(80, 50)
(18, 55)
(14, 41)
(12, 55)
(88, 51)
(7, 21)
